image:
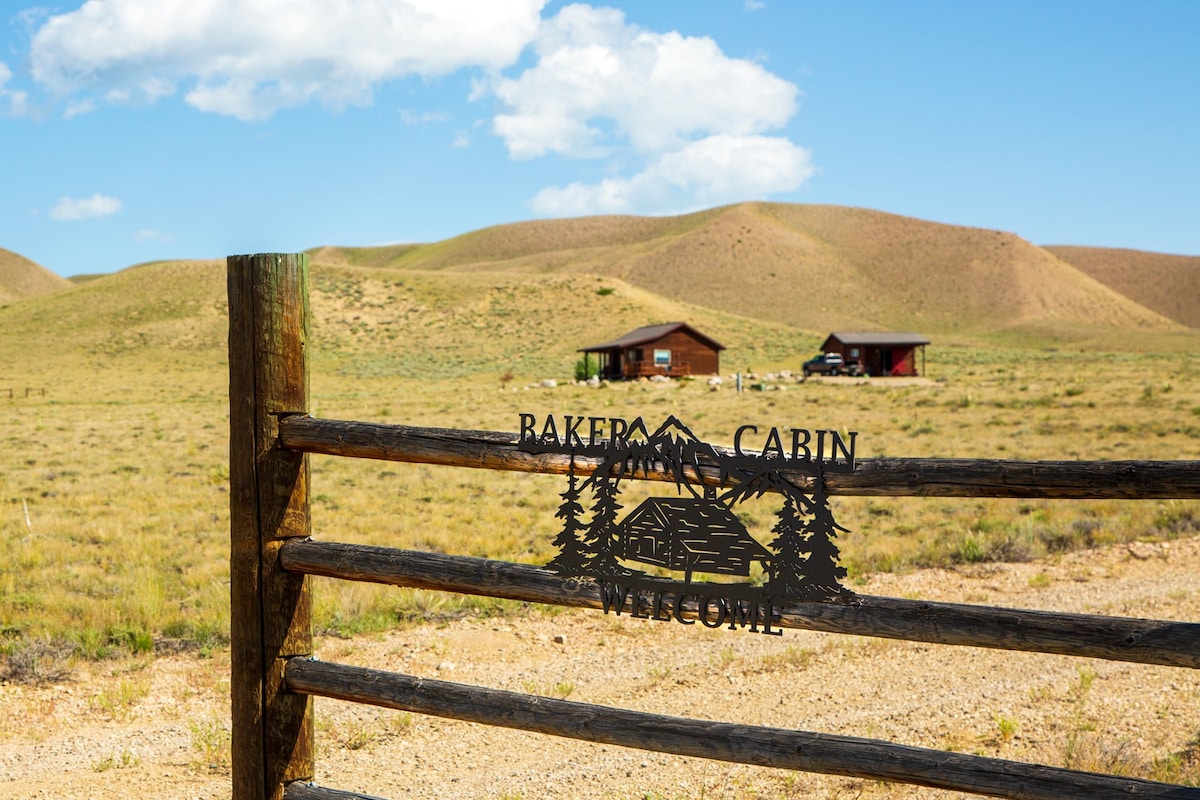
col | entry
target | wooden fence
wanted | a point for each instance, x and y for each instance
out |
(40, 391)
(274, 676)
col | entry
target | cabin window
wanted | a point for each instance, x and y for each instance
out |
(638, 355)
(662, 358)
(854, 352)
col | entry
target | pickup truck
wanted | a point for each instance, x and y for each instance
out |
(830, 364)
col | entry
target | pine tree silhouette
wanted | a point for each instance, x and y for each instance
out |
(822, 572)
(598, 538)
(572, 555)
(787, 579)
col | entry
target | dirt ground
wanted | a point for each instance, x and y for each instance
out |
(159, 727)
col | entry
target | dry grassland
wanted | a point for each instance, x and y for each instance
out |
(113, 486)
(113, 496)
(115, 511)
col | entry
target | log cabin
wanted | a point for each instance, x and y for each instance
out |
(674, 349)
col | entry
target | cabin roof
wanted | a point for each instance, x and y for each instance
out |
(878, 339)
(699, 524)
(650, 333)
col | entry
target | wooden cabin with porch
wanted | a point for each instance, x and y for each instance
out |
(674, 349)
(880, 354)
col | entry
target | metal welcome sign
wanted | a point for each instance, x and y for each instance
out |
(696, 533)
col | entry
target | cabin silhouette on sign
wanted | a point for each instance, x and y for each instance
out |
(674, 349)
(689, 534)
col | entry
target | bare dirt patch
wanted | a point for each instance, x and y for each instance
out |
(150, 729)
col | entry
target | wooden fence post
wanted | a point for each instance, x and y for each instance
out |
(270, 608)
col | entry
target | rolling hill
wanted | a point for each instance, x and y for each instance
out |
(1164, 283)
(20, 277)
(818, 268)
(767, 280)
(367, 322)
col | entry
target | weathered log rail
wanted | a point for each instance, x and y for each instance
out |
(301, 790)
(1143, 641)
(273, 677)
(874, 477)
(722, 741)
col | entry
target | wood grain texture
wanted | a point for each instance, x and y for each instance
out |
(745, 744)
(1141, 641)
(874, 477)
(301, 790)
(270, 617)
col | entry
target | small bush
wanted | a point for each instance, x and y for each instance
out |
(1079, 535)
(37, 661)
(1177, 519)
(970, 551)
(586, 369)
(1011, 547)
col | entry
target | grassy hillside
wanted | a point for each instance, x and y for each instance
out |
(172, 307)
(1164, 283)
(819, 268)
(20, 277)
(512, 245)
(367, 322)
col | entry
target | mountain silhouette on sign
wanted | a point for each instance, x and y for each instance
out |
(671, 449)
(674, 431)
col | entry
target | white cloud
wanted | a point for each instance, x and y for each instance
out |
(691, 125)
(79, 108)
(412, 118)
(72, 208)
(720, 169)
(13, 103)
(250, 58)
(600, 81)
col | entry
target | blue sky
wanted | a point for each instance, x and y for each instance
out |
(138, 130)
